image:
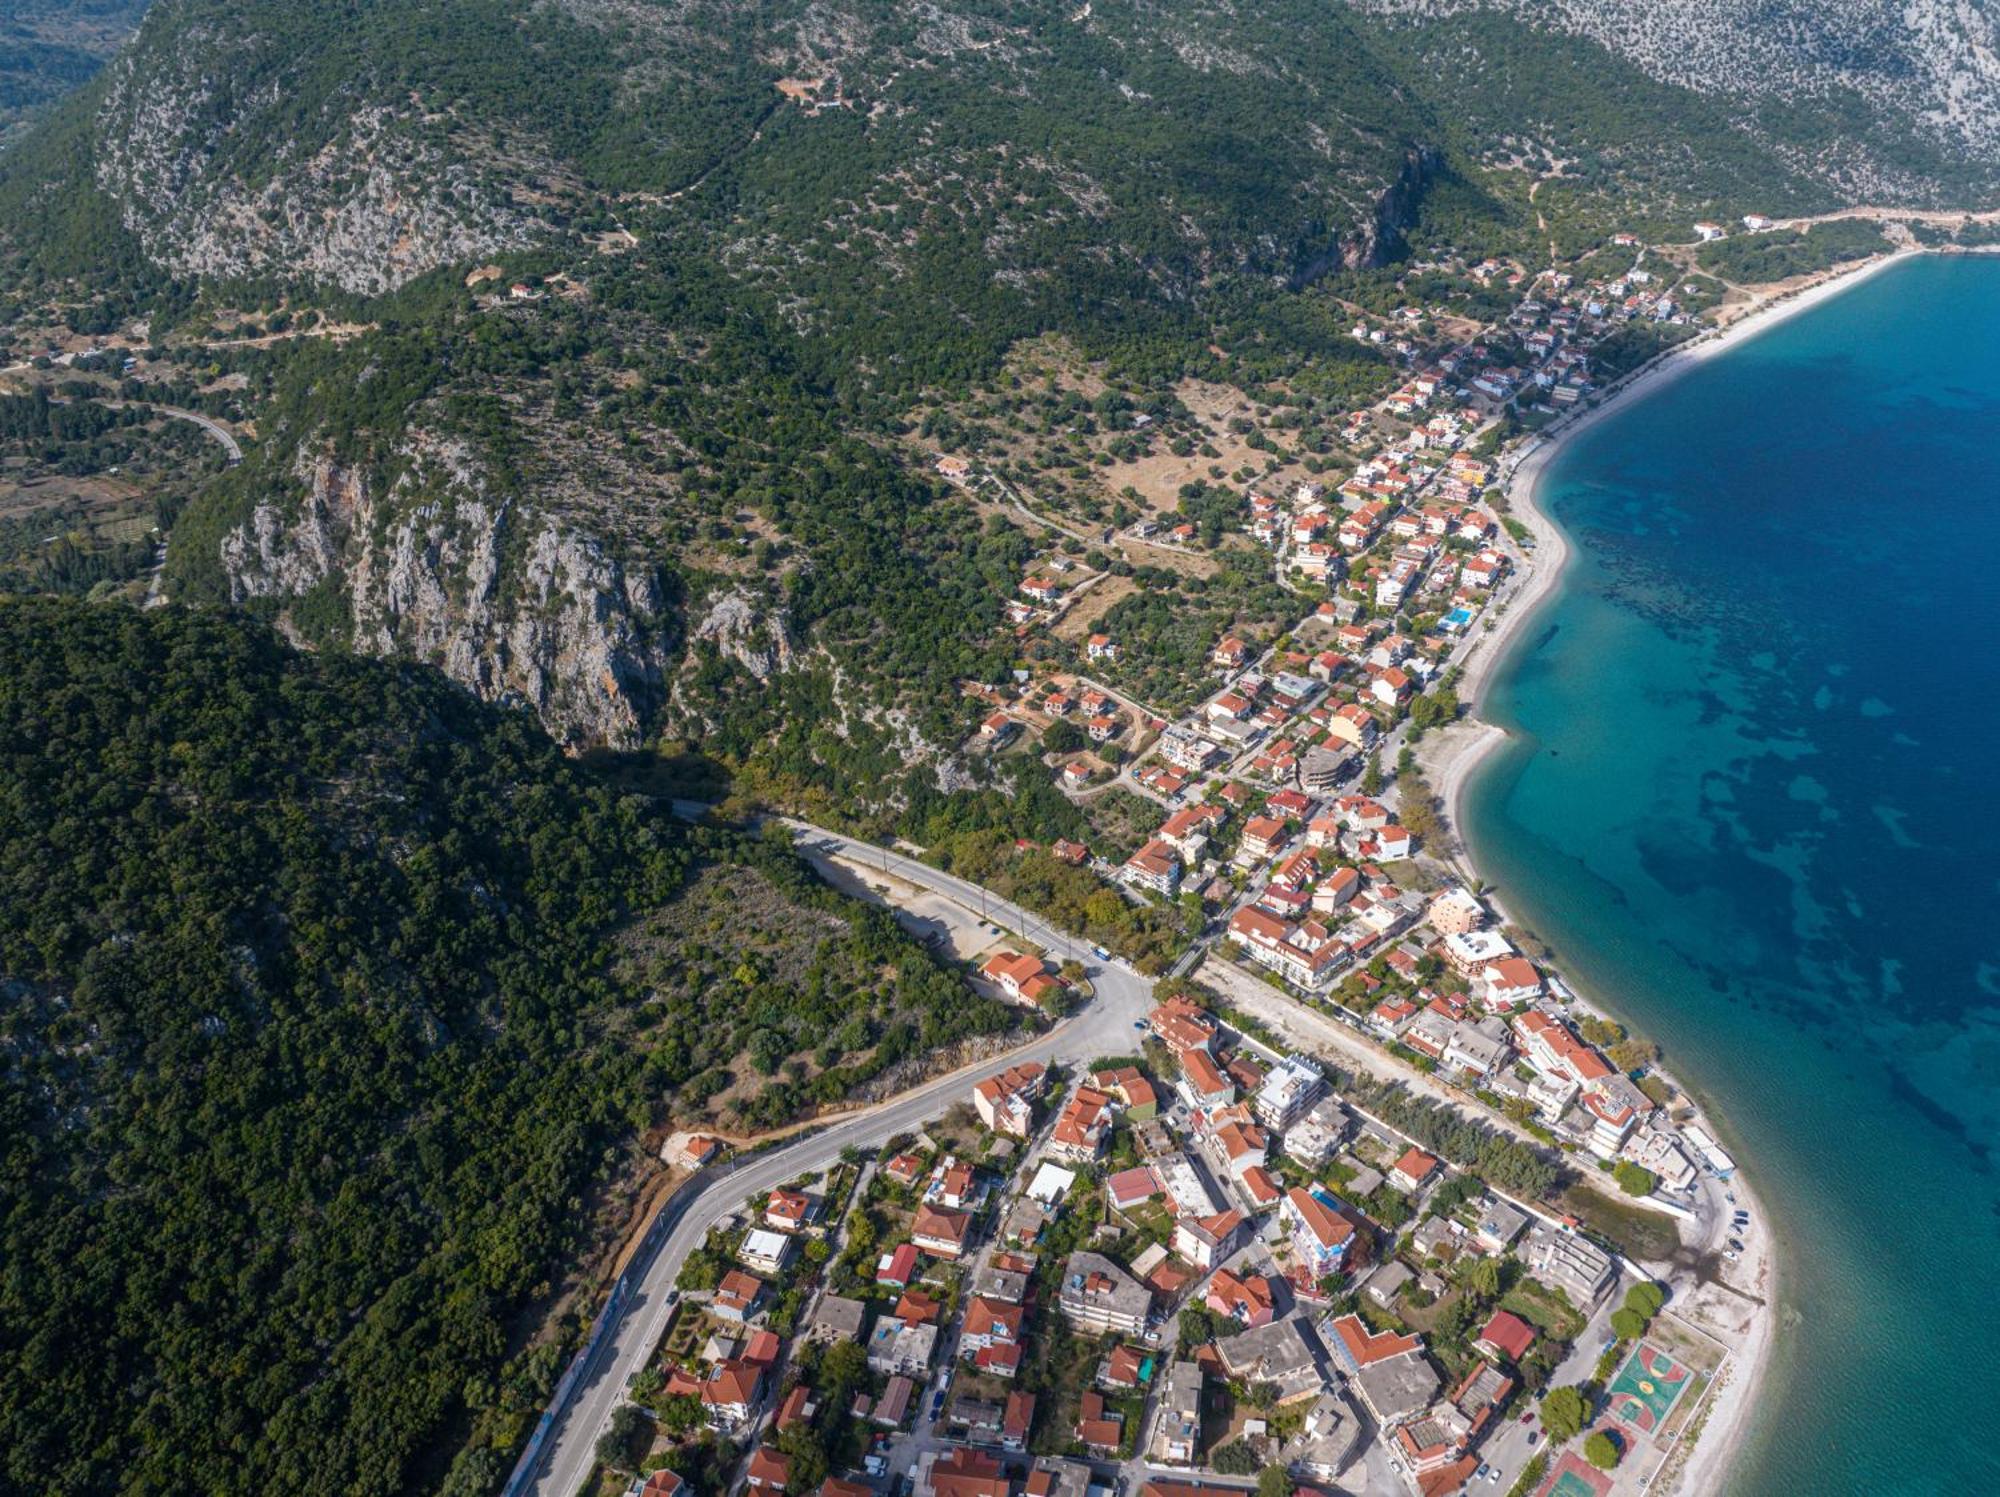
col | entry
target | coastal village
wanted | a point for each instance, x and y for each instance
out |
(1306, 1231)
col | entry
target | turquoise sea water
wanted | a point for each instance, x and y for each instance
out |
(1754, 803)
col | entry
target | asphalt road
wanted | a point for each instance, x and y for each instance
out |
(1103, 1027)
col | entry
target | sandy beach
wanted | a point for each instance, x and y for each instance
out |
(1450, 757)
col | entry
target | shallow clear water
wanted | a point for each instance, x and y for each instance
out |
(1754, 803)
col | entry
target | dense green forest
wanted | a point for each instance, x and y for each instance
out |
(312, 1036)
(1783, 253)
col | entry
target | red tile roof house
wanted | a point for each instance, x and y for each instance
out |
(904, 1168)
(1023, 977)
(737, 1295)
(940, 1232)
(1000, 1359)
(1207, 1242)
(798, 1405)
(789, 1210)
(1096, 1427)
(1121, 1369)
(1412, 1170)
(898, 1267)
(1005, 1103)
(731, 1392)
(1204, 1081)
(1509, 982)
(1018, 1419)
(1131, 1188)
(1183, 1027)
(1263, 1190)
(1506, 1337)
(961, 1471)
(1249, 1301)
(1354, 1346)
(1263, 835)
(990, 1323)
(1083, 1128)
(769, 1471)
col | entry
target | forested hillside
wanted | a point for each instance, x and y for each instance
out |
(49, 47)
(314, 1032)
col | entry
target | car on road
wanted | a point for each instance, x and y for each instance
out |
(1735, 1245)
(1493, 1473)
(1733, 1257)
(1138, 1023)
(1534, 1438)
(1100, 953)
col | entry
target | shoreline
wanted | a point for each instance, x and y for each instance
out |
(1459, 752)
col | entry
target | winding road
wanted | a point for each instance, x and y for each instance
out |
(1103, 1027)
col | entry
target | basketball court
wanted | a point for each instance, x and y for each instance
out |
(1647, 1387)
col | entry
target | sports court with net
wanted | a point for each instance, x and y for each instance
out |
(1647, 1387)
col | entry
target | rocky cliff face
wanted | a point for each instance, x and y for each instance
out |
(1925, 70)
(374, 206)
(510, 602)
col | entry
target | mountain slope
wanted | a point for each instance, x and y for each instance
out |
(667, 489)
(1884, 100)
(316, 1027)
(50, 47)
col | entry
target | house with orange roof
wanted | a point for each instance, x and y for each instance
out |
(1130, 1086)
(1022, 976)
(961, 1471)
(769, 1471)
(1550, 1047)
(1155, 866)
(990, 1322)
(1508, 983)
(1261, 1188)
(1005, 1103)
(1184, 1027)
(1203, 1082)
(1243, 1146)
(1321, 1237)
(1099, 1427)
(1250, 1300)
(731, 1393)
(1413, 1171)
(941, 1232)
(1506, 1337)
(1083, 1128)
(1209, 1240)
(737, 1296)
(1124, 1369)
